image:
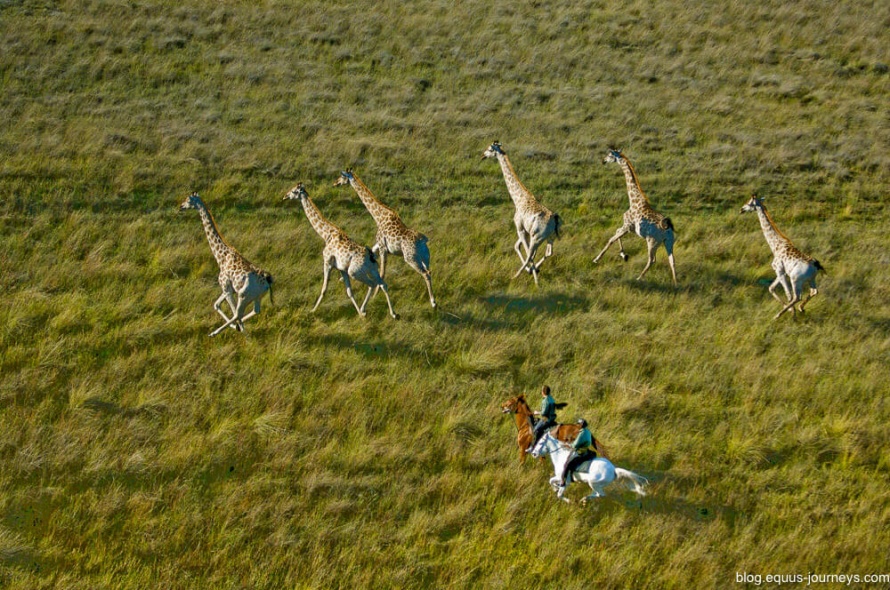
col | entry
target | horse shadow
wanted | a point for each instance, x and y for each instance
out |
(101, 406)
(667, 505)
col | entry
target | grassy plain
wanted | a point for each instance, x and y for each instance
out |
(325, 450)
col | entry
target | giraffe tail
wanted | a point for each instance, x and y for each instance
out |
(666, 224)
(558, 220)
(371, 256)
(819, 266)
(266, 275)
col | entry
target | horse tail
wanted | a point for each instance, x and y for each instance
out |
(601, 449)
(636, 482)
(558, 221)
(561, 405)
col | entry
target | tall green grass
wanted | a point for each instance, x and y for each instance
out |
(325, 450)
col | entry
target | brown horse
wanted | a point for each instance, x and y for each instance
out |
(523, 415)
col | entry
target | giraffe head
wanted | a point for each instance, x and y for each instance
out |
(346, 177)
(193, 201)
(297, 193)
(613, 156)
(493, 150)
(753, 205)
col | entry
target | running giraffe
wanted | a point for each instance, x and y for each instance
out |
(236, 274)
(794, 269)
(535, 223)
(340, 252)
(393, 236)
(641, 219)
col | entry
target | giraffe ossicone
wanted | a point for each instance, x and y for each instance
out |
(794, 269)
(237, 276)
(393, 236)
(535, 224)
(641, 219)
(353, 260)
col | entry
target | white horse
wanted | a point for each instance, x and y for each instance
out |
(598, 474)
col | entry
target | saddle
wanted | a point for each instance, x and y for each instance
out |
(582, 468)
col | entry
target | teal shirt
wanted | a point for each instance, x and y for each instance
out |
(548, 408)
(584, 440)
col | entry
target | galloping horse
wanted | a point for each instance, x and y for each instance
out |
(599, 474)
(524, 419)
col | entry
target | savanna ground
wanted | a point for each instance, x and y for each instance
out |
(325, 450)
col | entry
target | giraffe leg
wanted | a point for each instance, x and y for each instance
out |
(348, 285)
(547, 254)
(392, 313)
(371, 290)
(813, 292)
(371, 277)
(519, 253)
(772, 289)
(669, 248)
(790, 306)
(418, 265)
(621, 253)
(422, 257)
(794, 299)
(324, 285)
(652, 248)
(253, 312)
(217, 305)
(531, 255)
(616, 238)
(235, 318)
(781, 279)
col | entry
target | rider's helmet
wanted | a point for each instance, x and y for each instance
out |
(582, 422)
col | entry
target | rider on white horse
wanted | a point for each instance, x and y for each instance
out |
(583, 452)
(600, 473)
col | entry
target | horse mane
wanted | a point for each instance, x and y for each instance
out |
(520, 399)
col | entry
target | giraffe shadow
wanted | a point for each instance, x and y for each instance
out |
(551, 304)
(380, 348)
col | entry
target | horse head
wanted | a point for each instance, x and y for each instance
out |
(545, 445)
(516, 405)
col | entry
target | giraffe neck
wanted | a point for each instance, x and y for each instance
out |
(518, 192)
(378, 210)
(322, 226)
(634, 193)
(774, 237)
(217, 244)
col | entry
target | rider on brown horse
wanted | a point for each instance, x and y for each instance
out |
(547, 414)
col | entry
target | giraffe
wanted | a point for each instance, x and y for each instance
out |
(393, 236)
(641, 219)
(340, 252)
(236, 274)
(794, 269)
(535, 223)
